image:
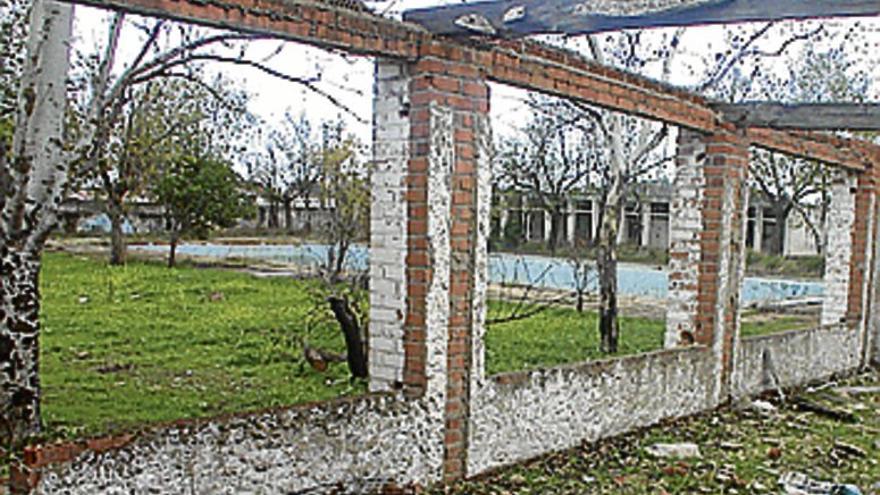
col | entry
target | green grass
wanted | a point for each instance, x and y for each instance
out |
(561, 335)
(133, 345)
(172, 352)
(776, 325)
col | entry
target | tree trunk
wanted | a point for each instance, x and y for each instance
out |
(777, 240)
(31, 188)
(273, 214)
(606, 252)
(117, 239)
(172, 250)
(339, 264)
(606, 264)
(19, 345)
(354, 342)
(557, 220)
(288, 214)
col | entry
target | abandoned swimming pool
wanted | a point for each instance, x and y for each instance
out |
(540, 271)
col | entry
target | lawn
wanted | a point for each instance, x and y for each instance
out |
(126, 346)
(560, 335)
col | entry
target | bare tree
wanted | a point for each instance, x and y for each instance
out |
(344, 191)
(788, 184)
(552, 159)
(629, 149)
(110, 90)
(289, 172)
(125, 119)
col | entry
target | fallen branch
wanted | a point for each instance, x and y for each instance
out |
(836, 414)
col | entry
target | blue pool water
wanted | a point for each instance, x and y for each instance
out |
(556, 273)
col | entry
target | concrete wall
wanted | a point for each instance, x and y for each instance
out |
(362, 443)
(522, 415)
(794, 358)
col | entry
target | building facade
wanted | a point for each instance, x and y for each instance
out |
(519, 219)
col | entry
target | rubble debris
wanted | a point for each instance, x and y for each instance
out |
(794, 483)
(732, 446)
(763, 407)
(674, 450)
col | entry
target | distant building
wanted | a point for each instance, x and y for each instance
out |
(645, 221)
(306, 215)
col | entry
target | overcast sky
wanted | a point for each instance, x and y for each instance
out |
(350, 79)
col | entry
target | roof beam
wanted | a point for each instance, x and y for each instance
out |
(321, 24)
(514, 18)
(805, 117)
(852, 154)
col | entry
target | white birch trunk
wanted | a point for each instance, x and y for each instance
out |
(38, 176)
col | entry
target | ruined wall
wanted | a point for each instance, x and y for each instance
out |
(708, 245)
(796, 358)
(522, 415)
(358, 444)
(431, 200)
(361, 443)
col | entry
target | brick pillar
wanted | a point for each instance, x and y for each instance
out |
(707, 245)
(866, 231)
(838, 250)
(871, 340)
(862, 242)
(449, 117)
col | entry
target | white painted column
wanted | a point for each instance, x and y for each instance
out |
(388, 225)
(838, 252)
(685, 226)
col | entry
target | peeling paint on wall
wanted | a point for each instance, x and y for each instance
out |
(685, 225)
